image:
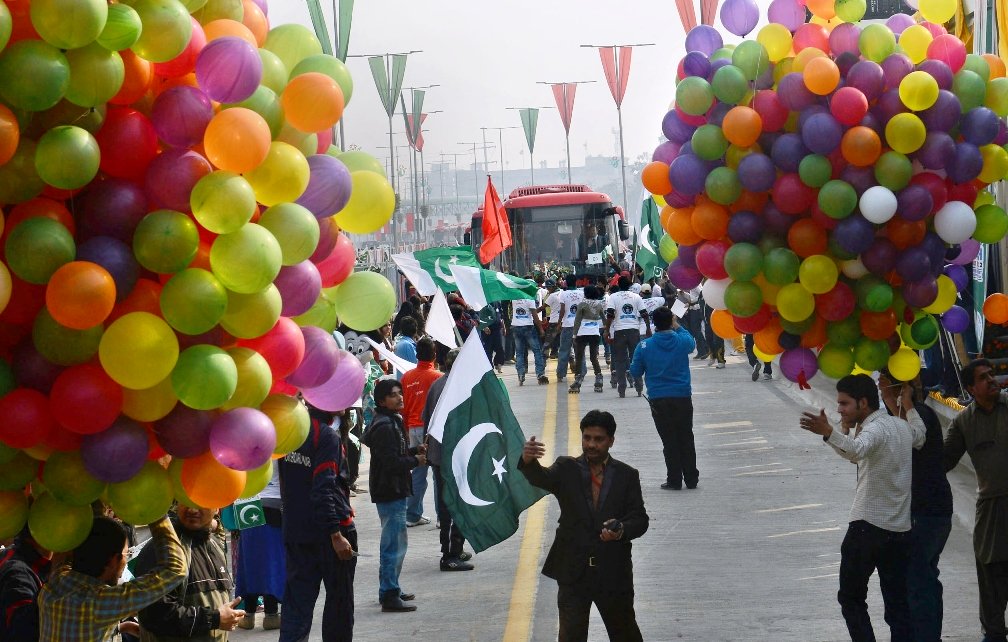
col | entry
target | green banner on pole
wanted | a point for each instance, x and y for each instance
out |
(529, 118)
(319, 24)
(343, 28)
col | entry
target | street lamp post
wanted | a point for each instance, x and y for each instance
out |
(500, 139)
(563, 92)
(454, 155)
(476, 165)
(530, 119)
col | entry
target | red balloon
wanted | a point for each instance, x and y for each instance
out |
(336, 267)
(816, 335)
(25, 302)
(806, 237)
(710, 259)
(27, 420)
(878, 326)
(85, 400)
(822, 218)
(934, 184)
(849, 105)
(811, 35)
(185, 62)
(128, 143)
(965, 192)
(837, 304)
(791, 195)
(771, 110)
(754, 323)
(283, 347)
(62, 439)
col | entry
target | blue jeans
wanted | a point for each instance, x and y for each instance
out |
(414, 504)
(564, 355)
(392, 548)
(924, 590)
(525, 337)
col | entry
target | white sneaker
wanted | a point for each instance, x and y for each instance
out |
(767, 376)
(423, 521)
(719, 366)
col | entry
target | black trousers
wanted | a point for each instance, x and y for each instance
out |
(623, 346)
(308, 566)
(693, 320)
(574, 605)
(592, 343)
(993, 584)
(451, 536)
(865, 549)
(750, 343)
(673, 417)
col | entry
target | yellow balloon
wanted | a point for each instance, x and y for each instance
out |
(914, 41)
(138, 350)
(904, 364)
(795, 303)
(762, 356)
(371, 204)
(282, 177)
(5, 286)
(150, 404)
(776, 39)
(658, 199)
(938, 11)
(290, 419)
(804, 56)
(995, 166)
(905, 133)
(918, 90)
(946, 296)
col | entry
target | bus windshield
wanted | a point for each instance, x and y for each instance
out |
(576, 236)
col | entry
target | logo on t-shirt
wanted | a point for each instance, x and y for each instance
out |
(627, 309)
(573, 309)
(521, 312)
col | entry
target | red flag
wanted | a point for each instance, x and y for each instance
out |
(496, 227)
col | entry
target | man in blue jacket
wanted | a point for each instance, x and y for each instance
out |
(318, 533)
(663, 360)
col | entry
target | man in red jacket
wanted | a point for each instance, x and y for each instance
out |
(416, 384)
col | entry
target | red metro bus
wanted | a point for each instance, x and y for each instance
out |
(571, 228)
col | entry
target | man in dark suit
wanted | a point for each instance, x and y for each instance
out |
(601, 510)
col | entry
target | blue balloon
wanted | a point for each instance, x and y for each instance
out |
(979, 126)
(788, 151)
(705, 39)
(955, 319)
(821, 133)
(688, 174)
(757, 173)
(965, 164)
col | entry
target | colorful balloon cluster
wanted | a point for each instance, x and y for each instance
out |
(828, 179)
(173, 262)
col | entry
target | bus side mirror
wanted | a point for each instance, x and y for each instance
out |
(624, 230)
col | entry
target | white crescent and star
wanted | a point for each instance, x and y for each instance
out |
(251, 520)
(460, 462)
(440, 273)
(646, 239)
(508, 281)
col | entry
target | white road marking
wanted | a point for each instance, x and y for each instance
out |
(776, 463)
(762, 472)
(819, 577)
(727, 424)
(735, 432)
(747, 442)
(804, 531)
(784, 508)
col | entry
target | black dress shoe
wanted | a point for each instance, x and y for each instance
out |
(455, 564)
(668, 486)
(394, 604)
(465, 556)
(692, 486)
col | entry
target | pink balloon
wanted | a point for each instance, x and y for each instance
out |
(342, 389)
(242, 439)
(336, 267)
(324, 141)
(299, 287)
(320, 358)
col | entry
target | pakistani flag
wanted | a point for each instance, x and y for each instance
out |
(428, 270)
(647, 241)
(481, 445)
(479, 287)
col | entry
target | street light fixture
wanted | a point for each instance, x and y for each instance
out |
(530, 116)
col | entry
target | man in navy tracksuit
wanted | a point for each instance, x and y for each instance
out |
(318, 533)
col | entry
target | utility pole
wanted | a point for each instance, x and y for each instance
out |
(476, 165)
(500, 133)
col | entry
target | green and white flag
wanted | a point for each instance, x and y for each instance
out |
(479, 287)
(481, 445)
(428, 270)
(243, 514)
(649, 234)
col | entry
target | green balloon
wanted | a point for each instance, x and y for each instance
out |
(37, 247)
(992, 224)
(246, 261)
(977, 65)
(204, 377)
(997, 96)
(222, 201)
(220, 10)
(780, 266)
(7, 453)
(96, 75)
(296, 230)
(274, 72)
(845, 332)
(264, 102)
(836, 361)
(730, 85)
(145, 497)
(796, 328)
(69, 481)
(359, 161)
(893, 171)
(877, 42)
(723, 186)
(330, 66)
(167, 28)
(6, 25)
(19, 181)
(709, 142)
(838, 199)
(62, 345)
(305, 142)
(874, 295)
(192, 6)
(815, 170)
(175, 475)
(365, 301)
(254, 379)
(871, 355)
(165, 241)
(850, 10)
(694, 95)
(122, 29)
(34, 75)
(322, 314)
(257, 479)
(13, 508)
(58, 526)
(252, 315)
(751, 58)
(7, 383)
(743, 298)
(924, 331)
(743, 261)
(67, 157)
(292, 43)
(968, 86)
(667, 248)
(193, 301)
(724, 53)
(65, 112)
(69, 24)
(16, 473)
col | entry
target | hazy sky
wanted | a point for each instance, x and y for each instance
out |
(487, 56)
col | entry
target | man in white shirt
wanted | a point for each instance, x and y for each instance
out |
(551, 301)
(528, 333)
(652, 300)
(569, 300)
(878, 535)
(623, 314)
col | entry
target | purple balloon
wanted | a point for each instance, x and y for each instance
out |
(860, 178)
(938, 70)
(822, 133)
(112, 207)
(320, 359)
(809, 112)
(789, 13)
(844, 39)
(895, 68)
(788, 152)
(935, 248)
(739, 16)
(872, 122)
(229, 69)
(979, 126)
(116, 453)
(913, 264)
(704, 38)
(955, 319)
(717, 64)
(184, 432)
(776, 221)
(965, 164)
(676, 199)
(844, 62)
(756, 172)
(920, 294)
(797, 362)
(683, 277)
(675, 129)
(944, 114)
(687, 255)
(242, 439)
(328, 186)
(898, 22)
(31, 369)
(914, 202)
(171, 177)
(958, 275)
(696, 63)
(745, 227)
(793, 94)
(938, 147)
(688, 174)
(889, 104)
(116, 257)
(328, 235)
(180, 115)
(868, 77)
(880, 257)
(854, 234)
(717, 113)
(262, 4)
(299, 286)
(665, 153)
(968, 251)
(765, 80)
(343, 389)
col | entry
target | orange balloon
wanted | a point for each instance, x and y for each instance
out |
(996, 64)
(136, 80)
(815, 336)
(861, 146)
(806, 237)
(664, 215)
(209, 483)
(312, 102)
(710, 221)
(878, 326)
(655, 177)
(742, 126)
(803, 57)
(821, 75)
(723, 324)
(10, 134)
(226, 27)
(749, 202)
(905, 233)
(767, 289)
(768, 339)
(995, 308)
(824, 9)
(256, 21)
(145, 297)
(80, 295)
(680, 227)
(237, 139)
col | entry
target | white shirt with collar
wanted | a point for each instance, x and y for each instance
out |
(883, 451)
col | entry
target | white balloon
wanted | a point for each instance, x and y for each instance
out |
(853, 269)
(713, 293)
(955, 222)
(878, 204)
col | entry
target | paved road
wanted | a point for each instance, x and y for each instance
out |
(752, 554)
